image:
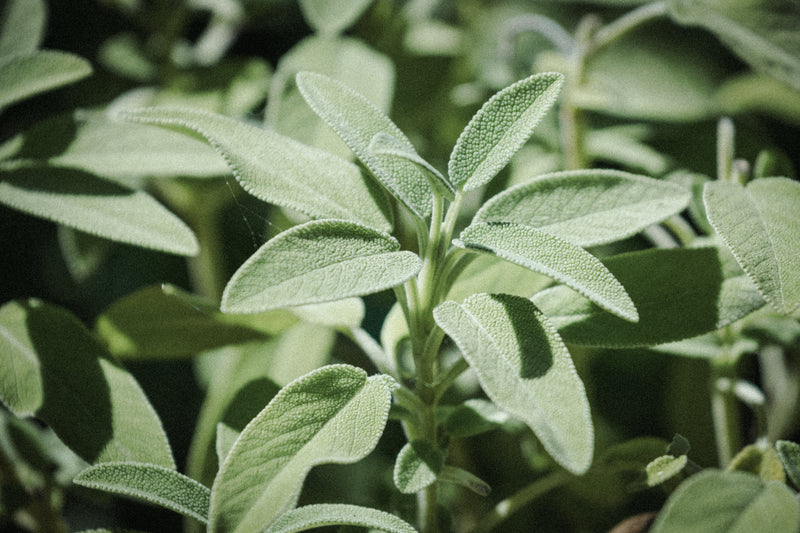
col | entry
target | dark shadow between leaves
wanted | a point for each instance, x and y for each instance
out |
(535, 349)
(248, 402)
(62, 181)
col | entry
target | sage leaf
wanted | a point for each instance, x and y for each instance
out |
(96, 206)
(500, 128)
(94, 405)
(525, 368)
(554, 257)
(332, 415)
(489, 273)
(331, 17)
(714, 501)
(357, 120)
(417, 466)
(22, 76)
(679, 293)
(152, 483)
(473, 417)
(789, 454)
(385, 144)
(226, 438)
(282, 171)
(316, 262)
(327, 514)
(663, 468)
(587, 207)
(21, 27)
(759, 224)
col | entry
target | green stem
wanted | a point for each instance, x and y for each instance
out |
(725, 149)
(613, 32)
(724, 407)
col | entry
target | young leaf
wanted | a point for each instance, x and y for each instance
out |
(587, 207)
(714, 501)
(226, 438)
(316, 262)
(282, 171)
(95, 406)
(21, 27)
(759, 224)
(385, 144)
(554, 257)
(500, 128)
(152, 483)
(22, 76)
(326, 514)
(663, 468)
(85, 202)
(473, 417)
(789, 453)
(356, 120)
(331, 17)
(332, 415)
(525, 368)
(417, 466)
(679, 293)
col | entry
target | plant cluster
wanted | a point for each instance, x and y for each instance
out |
(457, 340)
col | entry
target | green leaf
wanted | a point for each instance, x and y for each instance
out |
(663, 468)
(22, 76)
(332, 415)
(759, 224)
(85, 202)
(357, 120)
(463, 478)
(344, 314)
(554, 257)
(500, 128)
(525, 368)
(587, 207)
(385, 144)
(316, 262)
(326, 514)
(417, 466)
(751, 92)
(281, 171)
(21, 27)
(624, 146)
(789, 454)
(759, 460)
(94, 405)
(714, 501)
(489, 273)
(151, 483)
(763, 33)
(473, 417)
(679, 293)
(331, 17)
(163, 321)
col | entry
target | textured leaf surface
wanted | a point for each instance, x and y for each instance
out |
(760, 225)
(317, 262)
(95, 406)
(679, 293)
(22, 76)
(90, 204)
(489, 273)
(21, 26)
(663, 468)
(417, 466)
(385, 144)
(281, 171)
(500, 128)
(554, 257)
(789, 454)
(333, 16)
(313, 516)
(587, 207)
(333, 415)
(525, 368)
(714, 501)
(152, 483)
(357, 120)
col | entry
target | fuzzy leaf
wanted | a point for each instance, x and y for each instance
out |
(473, 417)
(587, 207)
(525, 368)
(330, 17)
(22, 76)
(357, 120)
(729, 502)
(554, 257)
(385, 144)
(500, 128)
(281, 171)
(663, 468)
(789, 454)
(21, 27)
(316, 262)
(489, 273)
(759, 223)
(417, 466)
(332, 415)
(679, 293)
(94, 405)
(85, 202)
(326, 514)
(151, 483)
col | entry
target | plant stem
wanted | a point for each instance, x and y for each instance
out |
(724, 406)
(611, 33)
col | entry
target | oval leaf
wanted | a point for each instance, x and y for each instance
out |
(326, 514)
(282, 171)
(317, 262)
(151, 483)
(94, 406)
(759, 224)
(22, 25)
(554, 257)
(85, 202)
(417, 466)
(357, 120)
(724, 502)
(332, 415)
(525, 369)
(500, 128)
(587, 207)
(22, 76)
(330, 17)
(789, 454)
